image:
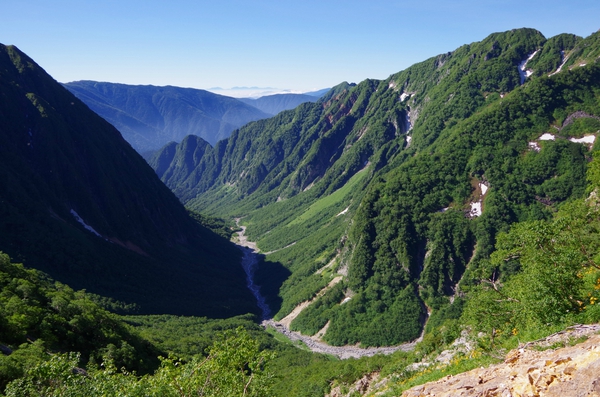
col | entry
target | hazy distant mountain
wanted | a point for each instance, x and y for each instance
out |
(274, 104)
(77, 202)
(150, 116)
(318, 93)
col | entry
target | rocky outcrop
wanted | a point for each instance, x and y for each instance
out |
(360, 387)
(569, 371)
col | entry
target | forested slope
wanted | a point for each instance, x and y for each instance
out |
(462, 191)
(402, 185)
(77, 202)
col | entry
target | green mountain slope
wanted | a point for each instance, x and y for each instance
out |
(149, 116)
(400, 186)
(80, 204)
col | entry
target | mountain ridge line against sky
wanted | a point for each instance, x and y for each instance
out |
(296, 46)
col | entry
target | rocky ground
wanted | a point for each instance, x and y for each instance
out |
(538, 368)
(242, 239)
(568, 371)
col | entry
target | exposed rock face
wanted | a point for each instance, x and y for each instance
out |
(359, 387)
(570, 371)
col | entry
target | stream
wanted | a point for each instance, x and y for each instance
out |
(250, 261)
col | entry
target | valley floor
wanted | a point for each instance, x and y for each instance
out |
(342, 352)
(312, 343)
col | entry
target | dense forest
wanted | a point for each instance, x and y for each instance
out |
(544, 275)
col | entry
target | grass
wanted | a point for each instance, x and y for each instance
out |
(331, 200)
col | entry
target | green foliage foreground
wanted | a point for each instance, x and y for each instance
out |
(59, 342)
(233, 367)
(38, 315)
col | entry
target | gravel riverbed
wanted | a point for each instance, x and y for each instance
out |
(250, 261)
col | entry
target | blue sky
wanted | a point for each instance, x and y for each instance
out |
(298, 45)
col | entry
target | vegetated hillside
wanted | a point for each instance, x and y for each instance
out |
(150, 116)
(77, 202)
(53, 317)
(259, 148)
(273, 104)
(56, 341)
(401, 186)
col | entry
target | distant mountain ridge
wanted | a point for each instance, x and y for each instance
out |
(273, 104)
(150, 116)
(77, 202)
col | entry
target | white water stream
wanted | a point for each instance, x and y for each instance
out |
(249, 263)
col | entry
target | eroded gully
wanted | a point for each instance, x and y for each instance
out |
(250, 261)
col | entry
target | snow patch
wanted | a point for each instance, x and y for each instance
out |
(407, 123)
(85, 225)
(345, 300)
(484, 188)
(408, 140)
(565, 59)
(586, 139)
(547, 137)
(476, 209)
(343, 212)
(404, 96)
(523, 71)
(535, 146)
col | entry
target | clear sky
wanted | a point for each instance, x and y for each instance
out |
(299, 45)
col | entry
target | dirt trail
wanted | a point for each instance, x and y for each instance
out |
(249, 263)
